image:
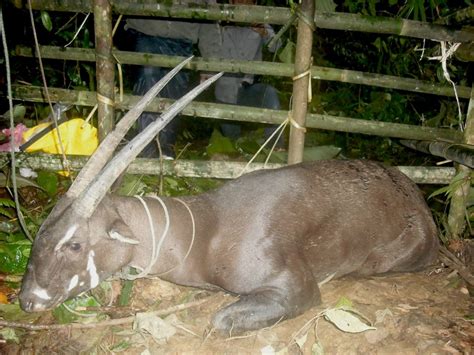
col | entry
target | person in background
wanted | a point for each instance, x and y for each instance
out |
(169, 38)
(239, 43)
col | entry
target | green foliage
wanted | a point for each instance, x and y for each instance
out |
(287, 54)
(59, 29)
(218, 144)
(126, 293)
(46, 21)
(455, 184)
(48, 182)
(14, 253)
(6, 202)
(133, 185)
(5, 181)
(176, 186)
(120, 347)
(419, 10)
(70, 310)
(9, 334)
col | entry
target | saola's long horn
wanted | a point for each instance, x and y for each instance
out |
(91, 197)
(105, 150)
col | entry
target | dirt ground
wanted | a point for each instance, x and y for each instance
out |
(421, 313)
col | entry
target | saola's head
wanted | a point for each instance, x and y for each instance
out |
(72, 254)
(79, 244)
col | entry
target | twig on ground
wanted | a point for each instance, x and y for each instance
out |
(106, 323)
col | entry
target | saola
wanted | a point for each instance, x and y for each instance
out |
(270, 236)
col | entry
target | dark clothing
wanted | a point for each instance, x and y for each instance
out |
(255, 95)
(177, 87)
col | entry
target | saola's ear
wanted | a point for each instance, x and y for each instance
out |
(121, 232)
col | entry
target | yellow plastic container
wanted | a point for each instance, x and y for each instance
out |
(77, 136)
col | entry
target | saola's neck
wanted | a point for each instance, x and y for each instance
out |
(166, 230)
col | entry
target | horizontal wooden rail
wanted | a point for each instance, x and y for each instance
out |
(265, 14)
(253, 67)
(247, 114)
(204, 169)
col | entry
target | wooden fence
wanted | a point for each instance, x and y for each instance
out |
(106, 57)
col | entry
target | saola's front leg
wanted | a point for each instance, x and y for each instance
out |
(264, 307)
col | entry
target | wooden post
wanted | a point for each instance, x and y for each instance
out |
(304, 45)
(105, 71)
(457, 209)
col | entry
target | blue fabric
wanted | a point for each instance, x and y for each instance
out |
(148, 76)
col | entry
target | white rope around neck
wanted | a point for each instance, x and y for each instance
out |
(155, 251)
(192, 238)
(156, 248)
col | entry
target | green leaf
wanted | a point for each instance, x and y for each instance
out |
(325, 6)
(122, 346)
(218, 144)
(8, 226)
(6, 202)
(63, 315)
(309, 154)
(132, 185)
(126, 293)
(344, 302)
(48, 182)
(287, 54)
(86, 38)
(46, 21)
(320, 153)
(20, 181)
(19, 112)
(9, 334)
(453, 185)
(13, 312)
(14, 256)
(6, 213)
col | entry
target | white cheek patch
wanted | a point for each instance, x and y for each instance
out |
(73, 283)
(41, 293)
(69, 234)
(117, 236)
(92, 269)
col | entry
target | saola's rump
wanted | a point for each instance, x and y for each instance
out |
(270, 236)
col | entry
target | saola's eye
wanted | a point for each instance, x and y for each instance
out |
(75, 246)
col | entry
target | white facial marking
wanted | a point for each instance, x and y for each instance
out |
(69, 234)
(81, 283)
(117, 236)
(42, 293)
(92, 269)
(73, 283)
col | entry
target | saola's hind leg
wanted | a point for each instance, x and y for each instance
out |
(264, 307)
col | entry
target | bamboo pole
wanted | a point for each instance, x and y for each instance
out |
(254, 67)
(249, 114)
(301, 82)
(265, 14)
(206, 169)
(105, 71)
(457, 208)
(394, 26)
